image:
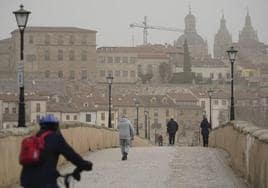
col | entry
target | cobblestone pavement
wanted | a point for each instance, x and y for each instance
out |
(159, 167)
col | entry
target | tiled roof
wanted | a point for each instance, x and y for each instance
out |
(61, 107)
(56, 29)
(182, 97)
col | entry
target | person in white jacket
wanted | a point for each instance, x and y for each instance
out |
(126, 134)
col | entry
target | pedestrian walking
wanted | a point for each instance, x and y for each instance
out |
(126, 135)
(205, 126)
(39, 164)
(172, 128)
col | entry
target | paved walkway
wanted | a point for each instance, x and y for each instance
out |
(159, 167)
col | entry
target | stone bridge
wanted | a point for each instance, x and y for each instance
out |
(237, 157)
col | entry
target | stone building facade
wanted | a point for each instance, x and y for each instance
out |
(55, 52)
(128, 64)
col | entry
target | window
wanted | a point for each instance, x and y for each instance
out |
(220, 76)
(181, 112)
(37, 118)
(125, 111)
(203, 104)
(75, 117)
(228, 76)
(117, 73)
(38, 107)
(132, 59)
(83, 74)
(125, 59)
(84, 40)
(110, 59)
(102, 73)
(101, 59)
(30, 57)
(60, 74)
(224, 102)
(216, 102)
(112, 117)
(110, 72)
(31, 40)
(211, 75)
(84, 55)
(167, 112)
(60, 40)
(47, 55)
(6, 111)
(60, 55)
(132, 74)
(117, 59)
(150, 69)
(88, 117)
(156, 114)
(14, 110)
(67, 117)
(103, 116)
(71, 55)
(125, 73)
(71, 39)
(47, 39)
(72, 75)
(47, 74)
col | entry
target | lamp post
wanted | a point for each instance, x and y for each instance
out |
(232, 55)
(137, 104)
(210, 91)
(21, 18)
(110, 81)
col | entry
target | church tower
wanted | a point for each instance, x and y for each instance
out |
(197, 46)
(222, 40)
(248, 34)
(251, 50)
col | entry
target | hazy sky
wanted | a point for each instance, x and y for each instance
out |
(111, 18)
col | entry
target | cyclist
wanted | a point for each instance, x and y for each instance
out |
(45, 174)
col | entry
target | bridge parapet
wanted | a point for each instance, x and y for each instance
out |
(82, 137)
(247, 146)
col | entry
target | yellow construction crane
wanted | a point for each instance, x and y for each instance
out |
(145, 27)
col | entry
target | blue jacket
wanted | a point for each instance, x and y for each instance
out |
(46, 172)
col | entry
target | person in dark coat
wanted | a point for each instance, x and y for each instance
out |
(205, 126)
(45, 174)
(172, 127)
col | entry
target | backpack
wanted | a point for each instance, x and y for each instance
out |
(31, 149)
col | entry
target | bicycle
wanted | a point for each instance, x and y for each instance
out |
(67, 178)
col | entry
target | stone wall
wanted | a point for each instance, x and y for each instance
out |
(82, 138)
(248, 149)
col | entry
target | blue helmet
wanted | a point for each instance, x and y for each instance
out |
(49, 121)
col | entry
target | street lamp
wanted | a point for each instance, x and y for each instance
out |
(110, 81)
(232, 55)
(137, 104)
(21, 18)
(210, 91)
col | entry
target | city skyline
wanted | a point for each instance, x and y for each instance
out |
(94, 15)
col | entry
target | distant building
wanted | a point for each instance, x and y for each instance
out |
(222, 41)
(197, 46)
(250, 49)
(132, 64)
(52, 52)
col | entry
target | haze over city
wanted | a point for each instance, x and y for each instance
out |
(111, 18)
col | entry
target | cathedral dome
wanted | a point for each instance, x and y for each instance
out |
(192, 39)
